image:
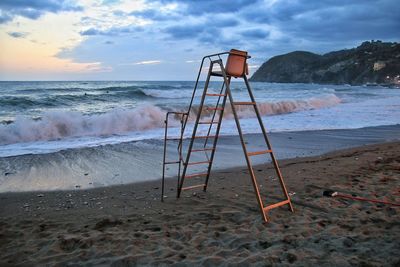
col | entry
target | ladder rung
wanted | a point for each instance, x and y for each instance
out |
(214, 94)
(214, 108)
(198, 162)
(195, 175)
(208, 122)
(193, 186)
(203, 149)
(205, 136)
(244, 103)
(273, 206)
(259, 152)
(171, 162)
(217, 73)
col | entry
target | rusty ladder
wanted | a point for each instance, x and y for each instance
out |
(236, 67)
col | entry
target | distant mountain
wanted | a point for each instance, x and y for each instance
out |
(371, 62)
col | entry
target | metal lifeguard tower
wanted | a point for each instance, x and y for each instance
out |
(236, 66)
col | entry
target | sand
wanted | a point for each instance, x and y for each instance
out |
(128, 226)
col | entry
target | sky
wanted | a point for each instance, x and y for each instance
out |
(166, 39)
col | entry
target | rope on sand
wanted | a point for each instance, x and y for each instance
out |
(331, 193)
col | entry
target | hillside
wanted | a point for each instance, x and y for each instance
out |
(371, 62)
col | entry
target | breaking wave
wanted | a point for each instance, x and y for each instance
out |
(60, 124)
(281, 107)
(55, 125)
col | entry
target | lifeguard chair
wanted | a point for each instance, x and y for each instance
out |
(236, 67)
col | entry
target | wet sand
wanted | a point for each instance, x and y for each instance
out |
(128, 226)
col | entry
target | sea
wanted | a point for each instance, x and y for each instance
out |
(48, 116)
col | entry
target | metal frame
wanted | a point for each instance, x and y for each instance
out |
(224, 93)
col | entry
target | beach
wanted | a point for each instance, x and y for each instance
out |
(81, 162)
(127, 225)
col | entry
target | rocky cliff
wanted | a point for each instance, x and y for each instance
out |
(371, 62)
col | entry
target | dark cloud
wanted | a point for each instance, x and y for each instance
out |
(184, 31)
(33, 9)
(359, 20)
(196, 7)
(255, 34)
(331, 20)
(114, 31)
(91, 31)
(211, 27)
(224, 22)
(4, 17)
(18, 34)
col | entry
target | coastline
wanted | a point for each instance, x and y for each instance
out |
(222, 226)
(139, 161)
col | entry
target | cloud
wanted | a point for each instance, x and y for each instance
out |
(9, 9)
(195, 7)
(154, 14)
(113, 31)
(174, 31)
(147, 62)
(323, 21)
(255, 34)
(184, 31)
(224, 22)
(110, 2)
(18, 34)
(209, 31)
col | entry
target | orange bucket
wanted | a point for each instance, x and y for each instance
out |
(236, 65)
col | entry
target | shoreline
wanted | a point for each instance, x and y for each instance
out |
(97, 167)
(221, 226)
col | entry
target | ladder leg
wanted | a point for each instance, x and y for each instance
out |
(274, 161)
(194, 131)
(180, 146)
(249, 166)
(164, 156)
(226, 82)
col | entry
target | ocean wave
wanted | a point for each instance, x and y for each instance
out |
(23, 102)
(171, 94)
(276, 108)
(57, 125)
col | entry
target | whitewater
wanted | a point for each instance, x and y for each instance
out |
(43, 117)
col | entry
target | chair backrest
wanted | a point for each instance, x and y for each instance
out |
(236, 65)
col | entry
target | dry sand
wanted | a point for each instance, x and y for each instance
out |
(128, 226)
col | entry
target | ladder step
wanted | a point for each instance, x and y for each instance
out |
(259, 152)
(195, 175)
(205, 136)
(191, 187)
(244, 103)
(214, 108)
(217, 73)
(203, 149)
(172, 162)
(273, 206)
(214, 94)
(208, 122)
(198, 162)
